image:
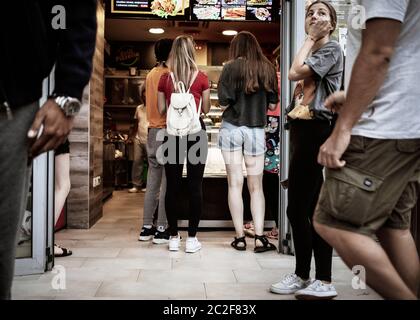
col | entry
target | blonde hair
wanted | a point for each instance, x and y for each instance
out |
(182, 59)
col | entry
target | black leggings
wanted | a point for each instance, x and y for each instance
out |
(196, 149)
(305, 182)
(271, 185)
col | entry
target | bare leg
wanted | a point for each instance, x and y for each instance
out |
(62, 183)
(356, 249)
(255, 167)
(401, 249)
(233, 161)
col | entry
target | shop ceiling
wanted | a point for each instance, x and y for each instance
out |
(137, 30)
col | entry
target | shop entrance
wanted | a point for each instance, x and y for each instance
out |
(129, 57)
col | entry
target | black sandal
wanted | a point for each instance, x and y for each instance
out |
(63, 253)
(236, 243)
(267, 246)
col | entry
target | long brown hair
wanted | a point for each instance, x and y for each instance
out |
(331, 9)
(182, 59)
(257, 69)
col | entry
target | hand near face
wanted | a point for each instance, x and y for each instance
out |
(319, 29)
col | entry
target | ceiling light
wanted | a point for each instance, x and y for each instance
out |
(230, 32)
(156, 30)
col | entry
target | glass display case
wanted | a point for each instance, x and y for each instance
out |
(215, 166)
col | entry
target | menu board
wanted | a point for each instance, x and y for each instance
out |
(259, 10)
(217, 10)
(232, 10)
(165, 9)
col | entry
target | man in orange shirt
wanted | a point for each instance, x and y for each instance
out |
(156, 181)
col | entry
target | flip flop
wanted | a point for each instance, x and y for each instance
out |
(61, 252)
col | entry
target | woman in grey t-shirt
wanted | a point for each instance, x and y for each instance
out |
(318, 71)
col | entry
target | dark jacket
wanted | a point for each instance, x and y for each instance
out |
(30, 46)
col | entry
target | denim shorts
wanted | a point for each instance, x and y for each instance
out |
(234, 138)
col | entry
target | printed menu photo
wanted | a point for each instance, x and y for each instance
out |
(259, 2)
(234, 13)
(259, 13)
(206, 10)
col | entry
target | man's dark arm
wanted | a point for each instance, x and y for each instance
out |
(74, 53)
(76, 46)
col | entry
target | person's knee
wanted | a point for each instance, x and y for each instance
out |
(254, 184)
(327, 233)
(236, 182)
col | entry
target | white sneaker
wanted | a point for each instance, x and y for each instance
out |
(192, 245)
(174, 243)
(316, 290)
(289, 284)
(133, 190)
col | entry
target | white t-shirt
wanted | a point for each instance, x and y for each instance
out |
(143, 124)
(395, 112)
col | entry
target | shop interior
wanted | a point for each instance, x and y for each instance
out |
(129, 55)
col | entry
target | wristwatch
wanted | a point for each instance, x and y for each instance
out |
(70, 106)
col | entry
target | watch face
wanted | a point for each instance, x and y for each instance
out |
(72, 107)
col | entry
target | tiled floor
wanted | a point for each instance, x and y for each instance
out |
(109, 263)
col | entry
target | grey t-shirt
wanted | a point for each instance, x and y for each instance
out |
(395, 112)
(327, 64)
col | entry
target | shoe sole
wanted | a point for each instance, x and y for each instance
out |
(145, 238)
(283, 292)
(160, 241)
(312, 297)
(173, 249)
(193, 251)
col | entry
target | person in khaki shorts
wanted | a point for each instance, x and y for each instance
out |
(373, 155)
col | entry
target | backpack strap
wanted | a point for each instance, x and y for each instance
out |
(180, 86)
(199, 106)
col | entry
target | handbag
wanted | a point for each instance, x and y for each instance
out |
(300, 111)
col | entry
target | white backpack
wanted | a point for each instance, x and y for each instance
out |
(182, 117)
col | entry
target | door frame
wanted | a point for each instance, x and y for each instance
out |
(42, 257)
(292, 35)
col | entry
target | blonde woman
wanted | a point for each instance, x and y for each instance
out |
(192, 147)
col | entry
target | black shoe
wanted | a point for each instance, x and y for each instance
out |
(147, 234)
(161, 237)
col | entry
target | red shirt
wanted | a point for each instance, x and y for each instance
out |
(201, 83)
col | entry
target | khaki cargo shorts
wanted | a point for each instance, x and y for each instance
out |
(378, 187)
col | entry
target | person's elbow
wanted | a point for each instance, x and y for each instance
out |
(293, 75)
(380, 56)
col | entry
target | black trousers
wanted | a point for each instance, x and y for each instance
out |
(271, 185)
(194, 148)
(305, 182)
